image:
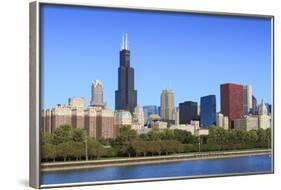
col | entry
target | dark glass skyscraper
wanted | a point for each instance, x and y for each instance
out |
(207, 111)
(126, 95)
(188, 111)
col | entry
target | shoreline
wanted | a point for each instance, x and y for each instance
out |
(78, 165)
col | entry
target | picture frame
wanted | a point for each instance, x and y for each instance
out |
(37, 88)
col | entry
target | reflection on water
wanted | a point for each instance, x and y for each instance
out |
(261, 163)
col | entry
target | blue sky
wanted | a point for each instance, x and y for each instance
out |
(190, 53)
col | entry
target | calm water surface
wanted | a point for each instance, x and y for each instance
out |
(243, 164)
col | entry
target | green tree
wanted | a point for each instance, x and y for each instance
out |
(268, 137)
(251, 139)
(47, 138)
(262, 140)
(218, 136)
(62, 134)
(167, 134)
(124, 140)
(144, 137)
(241, 136)
(78, 135)
(48, 151)
(139, 147)
(77, 149)
(158, 147)
(64, 150)
(154, 134)
(95, 149)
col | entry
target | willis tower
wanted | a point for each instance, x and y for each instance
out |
(126, 95)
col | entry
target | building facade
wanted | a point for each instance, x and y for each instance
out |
(247, 123)
(138, 117)
(148, 110)
(254, 109)
(254, 122)
(187, 112)
(77, 102)
(122, 118)
(97, 94)
(207, 111)
(193, 128)
(176, 116)
(231, 101)
(126, 95)
(167, 104)
(247, 99)
(222, 121)
(97, 122)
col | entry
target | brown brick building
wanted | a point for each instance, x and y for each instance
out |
(96, 121)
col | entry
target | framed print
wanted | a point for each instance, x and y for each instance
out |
(129, 94)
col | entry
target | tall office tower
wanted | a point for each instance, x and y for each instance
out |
(188, 111)
(148, 110)
(97, 94)
(126, 95)
(247, 99)
(254, 109)
(207, 111)
(231, 101)
(167, 104)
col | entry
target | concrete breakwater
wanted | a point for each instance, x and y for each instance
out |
(74, 165)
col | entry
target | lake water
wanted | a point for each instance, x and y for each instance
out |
(243, 164)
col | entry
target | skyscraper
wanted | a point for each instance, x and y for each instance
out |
(188, 111)
(247, 99)
(97, 94)
(231, 101)
(167, 104)
(207, 111)
(126, 95)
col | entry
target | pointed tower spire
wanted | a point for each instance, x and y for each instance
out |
(126, 41)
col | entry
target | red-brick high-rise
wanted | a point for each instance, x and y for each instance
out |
(231, 101)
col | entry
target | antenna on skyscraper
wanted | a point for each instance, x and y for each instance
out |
(126, 41)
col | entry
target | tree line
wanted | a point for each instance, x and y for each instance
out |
(67, 143)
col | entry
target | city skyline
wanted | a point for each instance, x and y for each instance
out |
(99, 61)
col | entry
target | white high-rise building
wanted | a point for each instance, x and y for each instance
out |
(222, 121)
(139, 116)
(247, 99)
(167, 104)
(97, 94)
